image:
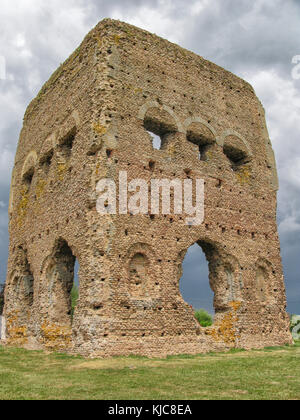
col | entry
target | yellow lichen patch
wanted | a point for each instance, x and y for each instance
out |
(97, 171)
(40, 188)
(99, 129)
(117, 39)
(225, 330)
(22, 207)
(62, 169)
(209, 155)
(171, 150)
(56, 337)
(235, 305)
(99, 40)
(16, 333)
(138, 90)
(243, 175)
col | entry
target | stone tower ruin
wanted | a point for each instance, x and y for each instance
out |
(91, 121)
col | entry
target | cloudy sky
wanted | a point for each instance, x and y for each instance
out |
(254, 39)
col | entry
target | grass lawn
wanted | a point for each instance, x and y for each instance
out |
(259, 374)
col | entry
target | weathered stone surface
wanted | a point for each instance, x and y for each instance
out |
(2, 328)
(89, 122)
(295, 326)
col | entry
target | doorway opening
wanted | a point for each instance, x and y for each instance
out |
(62, 275)
(195, 287)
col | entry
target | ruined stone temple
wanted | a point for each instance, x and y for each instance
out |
(94, 119)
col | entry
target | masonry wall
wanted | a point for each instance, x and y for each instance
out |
(91, 121)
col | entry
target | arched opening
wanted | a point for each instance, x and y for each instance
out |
(66, 144)
(195, 284)
(202, 137)
(27, 177)
(46, 160)
(28, 170)
(156, 140)
(159, 124)
(63, 284)
(236, 152)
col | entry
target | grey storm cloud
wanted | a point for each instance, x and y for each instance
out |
(242, 34)
(255, 40)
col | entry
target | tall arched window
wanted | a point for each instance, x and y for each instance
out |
(63, 294)
(194, 283)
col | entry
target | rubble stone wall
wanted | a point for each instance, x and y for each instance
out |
(92, 121)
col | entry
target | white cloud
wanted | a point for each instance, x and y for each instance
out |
(282, 101)
(197, 7)
(6, 164)
(19, 41)
(289, 225)
(11, 107)
(157, 20)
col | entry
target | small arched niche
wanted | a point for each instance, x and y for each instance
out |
(261, 281)
(47, 154)
(266, 284)
(28, 170)
(46, 160)
(138, 271)
(160, 125)
(66, 143)
(21, 290)
(264, 281)
(63, 284)
(200, 135)
(142, 271)
(27, 177)
(236, 151)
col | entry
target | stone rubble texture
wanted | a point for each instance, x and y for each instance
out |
(91, 121)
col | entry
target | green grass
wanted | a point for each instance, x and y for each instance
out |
(264, 374)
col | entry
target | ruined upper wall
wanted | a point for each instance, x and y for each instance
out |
(146, 70)
(107, 86)
(194, 86)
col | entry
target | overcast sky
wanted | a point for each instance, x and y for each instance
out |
(254, 39)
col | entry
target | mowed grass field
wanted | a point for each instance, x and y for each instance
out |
(239, 375)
